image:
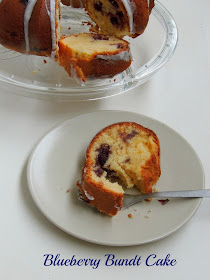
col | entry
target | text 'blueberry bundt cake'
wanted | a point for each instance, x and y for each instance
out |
(93, 55)
(122, 155)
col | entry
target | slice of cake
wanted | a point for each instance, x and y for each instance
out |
(120, 17)
(122, 155)
(93, 55)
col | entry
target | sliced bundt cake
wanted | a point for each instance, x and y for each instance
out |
(93, 55)
(120, 17)
(122, 155)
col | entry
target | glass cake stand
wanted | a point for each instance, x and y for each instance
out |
(41, 77)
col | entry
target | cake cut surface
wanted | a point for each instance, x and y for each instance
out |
(93, 55)
(123, 155)
(120, 17)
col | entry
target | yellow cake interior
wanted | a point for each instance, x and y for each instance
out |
(129, 151)
(85, 45)
(110, 16)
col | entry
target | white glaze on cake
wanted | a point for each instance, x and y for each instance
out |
(90, 197)
(53, 36)
(75, 76)
(126, 56)
(81, 4)
(48, 12)
(28, 12)
(117, 207)
(130, 8)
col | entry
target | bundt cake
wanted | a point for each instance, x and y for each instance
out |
(122, 155)
(120, 17)
(33, 27)
(30, 26)
(93, 55)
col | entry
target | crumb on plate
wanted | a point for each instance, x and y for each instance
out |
(163, 201)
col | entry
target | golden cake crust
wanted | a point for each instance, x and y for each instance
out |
(107, 200)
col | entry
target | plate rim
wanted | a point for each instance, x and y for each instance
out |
(130, 243)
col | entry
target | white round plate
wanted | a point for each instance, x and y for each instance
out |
(40, 77)
(55, 166)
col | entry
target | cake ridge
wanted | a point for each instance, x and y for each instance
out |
(27, 16)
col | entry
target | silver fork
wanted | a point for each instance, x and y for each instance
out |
(129, 199)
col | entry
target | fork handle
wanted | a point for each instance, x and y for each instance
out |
(171, 194)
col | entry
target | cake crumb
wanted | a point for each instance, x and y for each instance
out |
(68, 190)
(155, 189)
(163, 201)
(130, 216)
(148, 199)
(150, 210)
(147, 216)
(86, 22)
(45, 61)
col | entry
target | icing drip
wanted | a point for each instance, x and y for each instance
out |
(118, 207)
(53, 36)
(75, 76)
(81, 4)
(119, 56)
(90, 197)
(48, 12)
(130, 7)
(51, 15)
(27, 16)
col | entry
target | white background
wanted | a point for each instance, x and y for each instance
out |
(179, 95)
